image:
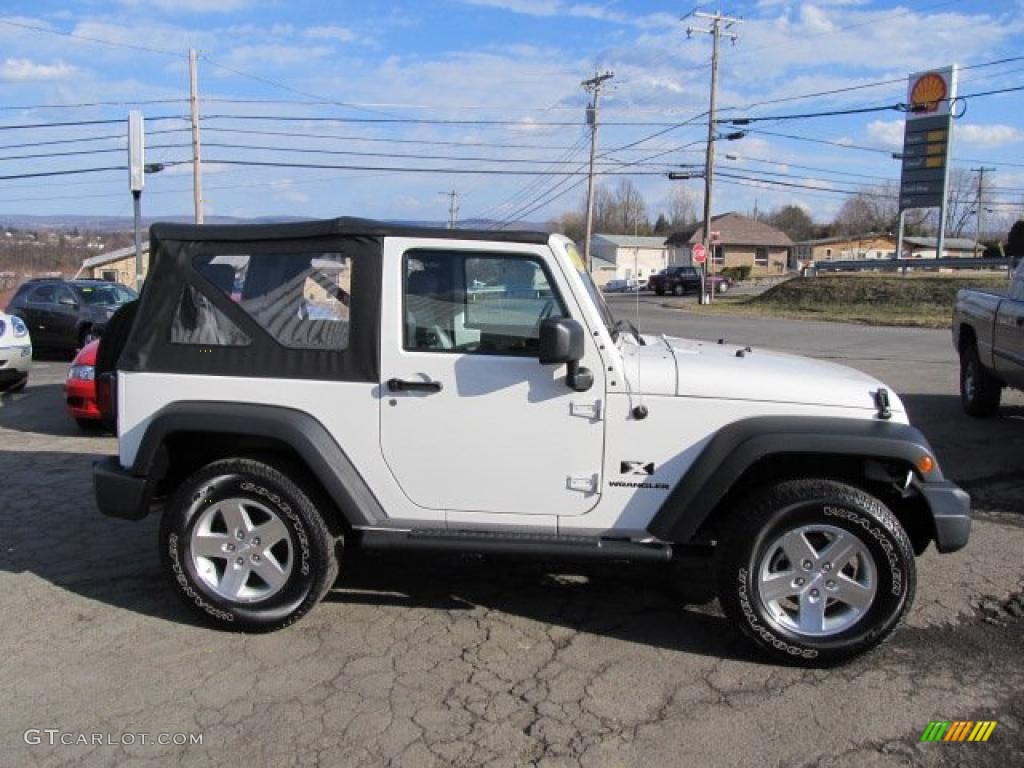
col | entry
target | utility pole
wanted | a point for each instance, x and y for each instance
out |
(197, 162)
(719, 24)
(593, 87)
(981, 171)
(453, 207)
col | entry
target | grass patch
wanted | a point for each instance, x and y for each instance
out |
(923, 301)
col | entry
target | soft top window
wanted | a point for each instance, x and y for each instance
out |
(301, 299)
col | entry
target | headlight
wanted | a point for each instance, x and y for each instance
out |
(82, 372)
(20, 329)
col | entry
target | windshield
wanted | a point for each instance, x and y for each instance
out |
(595, 295)
(111, 295)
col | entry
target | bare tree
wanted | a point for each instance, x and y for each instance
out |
(682, 208)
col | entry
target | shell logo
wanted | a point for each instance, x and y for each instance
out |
(928, 92)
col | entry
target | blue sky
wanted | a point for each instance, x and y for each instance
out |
(517, 61)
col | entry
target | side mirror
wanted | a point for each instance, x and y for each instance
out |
(561, 341)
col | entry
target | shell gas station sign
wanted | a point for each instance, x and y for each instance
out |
(927, 137)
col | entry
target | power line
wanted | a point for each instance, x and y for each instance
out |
(87, 152)
(434, 121)
(91, 104)
(406, 155)
(73, 123)
(84, 139)
(467, 171)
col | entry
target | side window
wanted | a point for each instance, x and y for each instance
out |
(486, 304)
(301, 299)
(66, 297)
(44, 294)
(197, 321)
(1017, 287)
(761, 256)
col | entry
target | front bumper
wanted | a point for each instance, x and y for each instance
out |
(950, 507)
(80, 397)
(119, 493)
(15, 362)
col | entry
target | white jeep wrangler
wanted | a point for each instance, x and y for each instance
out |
(285, 393)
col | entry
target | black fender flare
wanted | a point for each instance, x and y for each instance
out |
(738, 446)
(299, 430)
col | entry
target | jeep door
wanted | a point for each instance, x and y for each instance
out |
(471, 422)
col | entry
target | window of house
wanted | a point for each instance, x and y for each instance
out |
(488, 304)
(828, 253)
(718, 255)
(761, 256)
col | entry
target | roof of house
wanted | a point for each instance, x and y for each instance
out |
(630, 241)
(108, 257)
(848, 238)
(951, 243)
(735, 229)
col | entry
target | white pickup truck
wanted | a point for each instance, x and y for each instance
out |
(988, 331)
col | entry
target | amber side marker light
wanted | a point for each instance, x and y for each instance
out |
(926, 464)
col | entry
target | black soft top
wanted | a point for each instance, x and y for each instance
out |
(345, 225)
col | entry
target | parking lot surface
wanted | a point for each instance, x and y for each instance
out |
(475, 662)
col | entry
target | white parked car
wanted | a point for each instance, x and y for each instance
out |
(521, 420)
(15, 353)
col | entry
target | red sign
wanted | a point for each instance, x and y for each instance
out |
(700, 254)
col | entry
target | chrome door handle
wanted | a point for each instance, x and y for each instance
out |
(401, 385)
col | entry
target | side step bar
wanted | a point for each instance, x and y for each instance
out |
(518, 544)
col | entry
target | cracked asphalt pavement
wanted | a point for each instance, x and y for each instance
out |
(467, 662)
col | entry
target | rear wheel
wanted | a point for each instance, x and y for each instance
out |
(815, 572)
(92, 426)
(678, 290)
(245, 547)
(18, 386)
(980, 391)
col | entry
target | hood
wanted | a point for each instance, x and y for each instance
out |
(674, 366)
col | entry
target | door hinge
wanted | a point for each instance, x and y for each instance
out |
(584, 483)
(586, 410)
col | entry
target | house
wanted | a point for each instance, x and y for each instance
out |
(737, 241)
(117, 265)
(624, 257)
(878, 246)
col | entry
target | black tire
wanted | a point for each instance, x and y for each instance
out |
(770, 513)
(315, 551)
(660, 291)
(980, 391)
(18, 386)
(678, 289)
(91, 426)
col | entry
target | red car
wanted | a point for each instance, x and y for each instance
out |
(80, 389)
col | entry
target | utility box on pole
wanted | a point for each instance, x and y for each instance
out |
(136, 181)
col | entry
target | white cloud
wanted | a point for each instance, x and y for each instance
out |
(191, 6)
(993, 135)
(331, 32)
(284, 190)
(888, 133)
(26, 69)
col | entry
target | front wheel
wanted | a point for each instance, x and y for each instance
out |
(980, 391)
(245, 546)
(678, 290)
(815, 572)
